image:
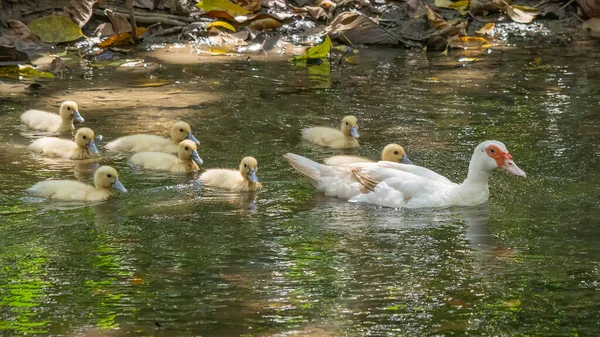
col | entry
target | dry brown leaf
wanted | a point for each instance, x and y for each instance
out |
(443, 27)
(315, 12)
(435, 19)
(265, 24)
(591, 8)
(416, 9)
(104, 30)
(469, 43)
(280, 4)
(326, 4)
(80, 11)
(119, 22)
(487, 29)
(250, 5)
(121, 38)
(519, 15)
(354, 28)
(592, 26)
(480, 7)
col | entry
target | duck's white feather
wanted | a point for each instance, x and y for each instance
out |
(343, 160)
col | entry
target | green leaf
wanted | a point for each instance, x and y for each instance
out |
(222, 5)
(55, 29)
(23, 71)
(315, 52)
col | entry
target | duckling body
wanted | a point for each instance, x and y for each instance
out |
(50, 122)
(153, 143)
(241, 180)
(391, 152)
(84, 146)
(345, 138)
(105, 180)
(187, 160)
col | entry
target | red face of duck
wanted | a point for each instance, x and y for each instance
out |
(504, 160)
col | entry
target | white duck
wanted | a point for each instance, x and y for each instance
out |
(409, 186)
(46, 121)
(153, 143)
(84, 146)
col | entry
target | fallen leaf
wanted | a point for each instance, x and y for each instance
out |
(265, 24)
(478, 7)
(220, 15)
(121, 39)
(526, 8)
(119, 23)
(354, 28)
(469, 42)
(12, 56)
(154, 83)
(148, 4)
(23, 71)
(80, 11)
(416, 9)
(443, 27)
(592, 26)
(519, 15)
(104, 30)
(55, 29)
(460, 6)
(18, 35)
(251, 5)
(316, 12)
(280, 4)
(221, 24)
(316, 52)
(591, 8)
(487, 29)
(222, 5)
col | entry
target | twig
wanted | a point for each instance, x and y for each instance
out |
(139, 14)
(132, 20)
(568, 3)
(158, 18)
(169, 31)
(578, 18)
(540, 3)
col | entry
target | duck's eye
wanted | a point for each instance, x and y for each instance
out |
(180, 130)
(109, 175)
(187, 148)
(84, 137)
(395, 152)
(68, 108)
(347, 123)
(245, 165)
(492, 151)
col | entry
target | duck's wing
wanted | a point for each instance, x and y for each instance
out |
(416, 170)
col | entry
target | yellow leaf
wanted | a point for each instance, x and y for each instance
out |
(469, 43)
(460, 6)
(55, 29)
(315, 52)
(487, 29)
(23, 71)
(222, 24)
(222, 5)
(526, 9)
(121, 38)
(155, 83)
(519, 15)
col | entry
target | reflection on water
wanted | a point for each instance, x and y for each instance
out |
(173, 258)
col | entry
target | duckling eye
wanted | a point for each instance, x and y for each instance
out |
(396, 152)
(245, 165)
(180, 130)
(109, 175)
(84, 137)
(346, 123)
(187, 148)
(68, 108)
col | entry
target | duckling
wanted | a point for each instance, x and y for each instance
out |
(105, 179)
(391, 152)
(329, 137)
(188, 160)
(46, 121)
(243, 180)
(152, 143)
(84, 146)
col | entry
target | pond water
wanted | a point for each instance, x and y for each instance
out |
(288, 261)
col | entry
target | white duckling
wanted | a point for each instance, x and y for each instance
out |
(391, 152)
(329, 137)
(153, 143)
(84, 146)
(409, 186)
(244, 179)
(188, 159)
(105, 180)
(46, 121)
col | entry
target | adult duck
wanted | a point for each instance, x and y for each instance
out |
(410, 186)
(51, 122)
(345, 138)
(391, 152)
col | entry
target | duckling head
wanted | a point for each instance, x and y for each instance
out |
(248, 169)
(70, 111)
(188, 150)
(85, 138)
(350, 126)
(395, 153)
(181, 131)
(107, 177)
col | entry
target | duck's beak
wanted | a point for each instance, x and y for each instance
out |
(354, 132)
(117, 184)
(191, 137)
(196, 158)
(92, 147)
(77, 117)
(252, 176)
(405, 160)
(511, 167)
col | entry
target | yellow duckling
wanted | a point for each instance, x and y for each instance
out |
(105, 179)
(84, 146)
(391, 152)
(46, 121)
(153, 143)
(188, 160)
(243, 180)
(329, 137)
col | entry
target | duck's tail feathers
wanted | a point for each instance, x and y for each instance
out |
(305, 166)
(367, 182)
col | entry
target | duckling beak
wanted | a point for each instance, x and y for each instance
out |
(511, 167)
(405, 160)
(77, 117)
(354, 132)
(117, 184)
(92, 147)
(191, 137)
(196, 158)
(252, 176)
